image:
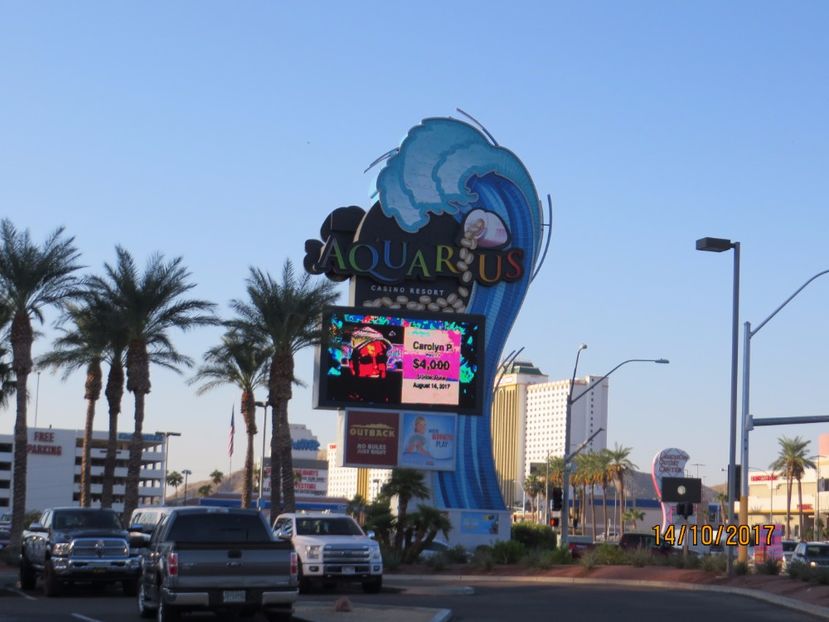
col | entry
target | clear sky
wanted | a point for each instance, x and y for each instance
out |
(226, 132)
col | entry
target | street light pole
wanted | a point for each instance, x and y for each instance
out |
(264, 405)
(745, 428)
(187, 473)
(718, 245)
(568, 455)
(164, 463)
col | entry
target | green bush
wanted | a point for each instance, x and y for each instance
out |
(769, 566)
(740, 569)
(714, 563)
(437, 562)
(457, 555)
(639, 557)
(482, 558)
(557, 557)
(391, 558)
(508, 551)
(534, 536)
(798, 570)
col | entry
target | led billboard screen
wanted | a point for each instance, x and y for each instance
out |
(400, 359)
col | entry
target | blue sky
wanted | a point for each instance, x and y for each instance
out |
(225, 133)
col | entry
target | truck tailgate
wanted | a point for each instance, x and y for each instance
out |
(235, 565)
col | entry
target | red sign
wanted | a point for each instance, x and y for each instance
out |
(763, 478)
(371, 438)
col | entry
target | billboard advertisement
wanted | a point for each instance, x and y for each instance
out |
(479, 523)
(400, 359)
(428, 441)
(371, 438)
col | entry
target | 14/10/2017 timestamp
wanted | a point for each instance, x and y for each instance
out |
(708, 535)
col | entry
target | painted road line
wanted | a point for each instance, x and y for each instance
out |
(19, 593)
(84, 618)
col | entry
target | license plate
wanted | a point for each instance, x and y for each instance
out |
(99, 570)
(233, 596)
(348, 569)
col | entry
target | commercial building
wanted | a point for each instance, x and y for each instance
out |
(346, 482)
(528, 416)
(53, 472)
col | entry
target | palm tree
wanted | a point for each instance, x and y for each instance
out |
(554, 475)
(581, 478)
(32, 278)
(151, 303)
(286, 316)
(792, 461)
(216, 477)
(205, 490)
(243, 364)
(405, 484)
(533, 487)
(632, 515)
(423, 526)
(602, 466)
(83, 344)
(174, 479)
(621, 465)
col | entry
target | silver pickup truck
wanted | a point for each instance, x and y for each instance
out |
(217, 559)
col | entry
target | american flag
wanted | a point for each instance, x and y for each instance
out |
(232, 431)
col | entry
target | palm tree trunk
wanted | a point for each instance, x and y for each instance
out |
(800, 506)
(604, 509)
(788, 506)
(21, 338)
(114, 392)
(134, 463)
(622, 507)
(593, 511)
(92, 393)
(281, 377)
(276, 468)
(249, 415)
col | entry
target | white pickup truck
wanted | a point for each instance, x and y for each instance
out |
(332, 548)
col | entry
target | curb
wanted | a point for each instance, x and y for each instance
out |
(782, 601)
(440, 615)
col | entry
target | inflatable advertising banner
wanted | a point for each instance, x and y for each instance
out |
(439, 264)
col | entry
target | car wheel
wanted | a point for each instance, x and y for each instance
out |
(144, 610)
(166, 613)
(304, 582)
(373, 585)
(28, 576)
(130, 587)
(51, 584)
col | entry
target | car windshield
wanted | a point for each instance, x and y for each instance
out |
(79, 519)
(817, 550)
(789, 546)
(215, 527)
(327, 527)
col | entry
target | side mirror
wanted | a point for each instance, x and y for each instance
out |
(370, 533)
(139, 540)
(281, 534)
(36, 527)
(137, 527)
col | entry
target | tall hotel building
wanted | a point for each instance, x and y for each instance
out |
(528, 423)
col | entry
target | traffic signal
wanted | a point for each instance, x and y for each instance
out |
(554, 521)
(685, 509)
(558, 495)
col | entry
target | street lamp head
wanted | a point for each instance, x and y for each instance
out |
(714, 245)
(187, 472)
(662, 361)
(583, 347)
(262, 404)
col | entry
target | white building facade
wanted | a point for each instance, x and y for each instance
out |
(53, 471)
(546, 413)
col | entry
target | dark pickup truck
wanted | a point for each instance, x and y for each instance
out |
(78, 544)
(217, 559)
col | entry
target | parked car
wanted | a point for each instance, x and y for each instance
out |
(5, 536)
(788, 550)
(332, 547)
(578, 545)
(145, 519)
(78, 544)
(223, 560)
(813, 554)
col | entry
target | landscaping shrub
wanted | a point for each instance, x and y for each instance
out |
(714, 563)
(769, 566)
(740, 569)
(508, 551)
(482, 558)
(457, 555)
(437, 562)
(639, 558)
(391, 558)
(534, 536)
(557, 557)
(798, 570)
